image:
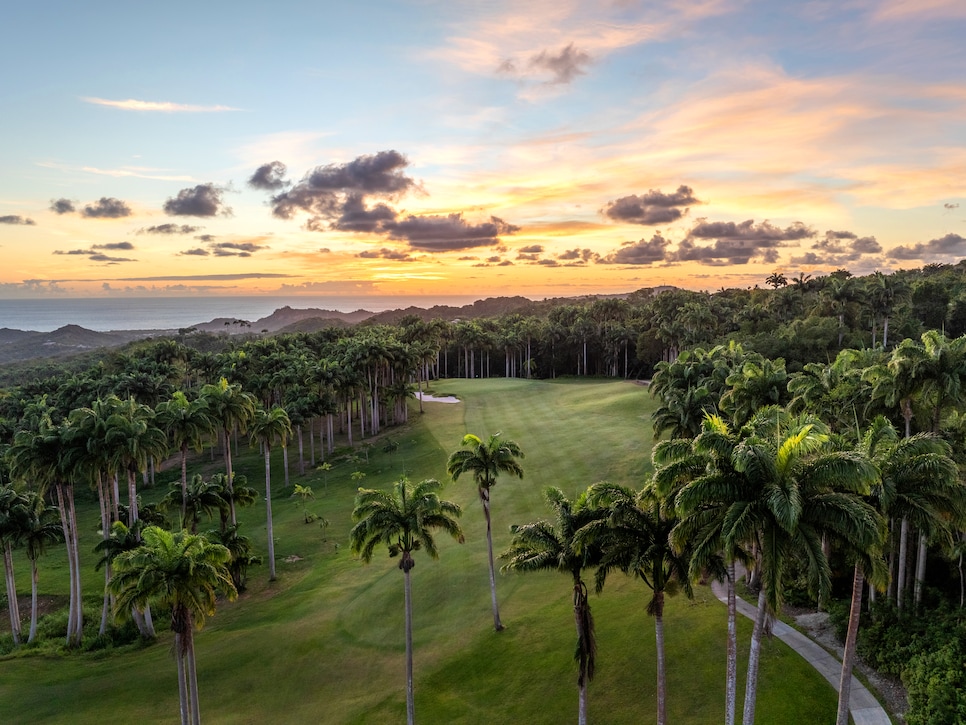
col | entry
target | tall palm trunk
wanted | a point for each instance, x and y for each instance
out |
(920, 570)
(34, 578)
(68, 522)
(182, 679)
(754, 655)
(485, 498)
(406, 565)
(585, 647)
(661, 665)
(848, 657)
(268, 510)
(192, 672)
(903, 556)
(731, 684)
(231, 477)
(13, 604)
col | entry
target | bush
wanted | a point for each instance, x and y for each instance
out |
(936, 683)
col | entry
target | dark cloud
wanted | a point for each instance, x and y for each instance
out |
(578, 255)
(830, 234)
(270, 176)
(531, 249)
(169, 229)
(726, 251)
(62, 206)
(654, 207)
(749, 231)
(528, 257)
(563, 65)
(838, 249)
(94, 256)
(234, 249)
(204, 200)
(641, 252)
(356, 217)
(393, 254)
(15, 219)
(106, 208)
(109, 260)
(325, 191)
(206, 237)
(448, 233)
(951, 244)
(549, 263)
(197, 252)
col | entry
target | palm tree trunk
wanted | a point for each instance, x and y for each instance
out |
(34, 578)
(13, 604)
(731, 684)
(301, 454)
(848, 657)
(285, 462)
(751, 680)
(268, 509)
(920, 570)
(410, 698)
(485, 498)
(903, 555)
(182, 679)
(661, 668)
(230, 482)
(192, 672)
(184, 482)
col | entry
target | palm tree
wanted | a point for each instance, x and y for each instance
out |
(42, 455)
(229, 407)
(635, 538)
(11, 517)
(404, 520)
(802, 493)
(542, 546)
(697, 477)
(486, 460)
(183, 572)
(200, 497)
(40, 526)
(269, 426)
(188, 425)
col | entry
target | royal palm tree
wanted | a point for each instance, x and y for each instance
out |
(405, 520)
(270, 426)
(544, 546)
(11, 521)
(486, 460)
(40, 526)
(229, 407)
(187, 425)
(802, 492)
(41, 455)
(699, 480)
(635, 538)
(183, 572)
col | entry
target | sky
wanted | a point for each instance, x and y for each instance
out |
(488, 148)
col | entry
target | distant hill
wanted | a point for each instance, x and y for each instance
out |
(280, 319)
(18, 345)
(22, 345)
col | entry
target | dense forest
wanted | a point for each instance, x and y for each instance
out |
(870, 368)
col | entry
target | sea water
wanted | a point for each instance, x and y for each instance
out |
(171, 313)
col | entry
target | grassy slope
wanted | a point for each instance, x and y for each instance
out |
(324, 642)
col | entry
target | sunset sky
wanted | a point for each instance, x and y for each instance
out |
(475, 148)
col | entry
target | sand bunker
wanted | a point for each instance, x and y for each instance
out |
(433, 399)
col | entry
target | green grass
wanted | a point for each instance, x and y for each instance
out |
(324, 643)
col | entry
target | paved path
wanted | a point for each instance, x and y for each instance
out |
(865, 709)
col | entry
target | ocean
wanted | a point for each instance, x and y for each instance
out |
(170, 313)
